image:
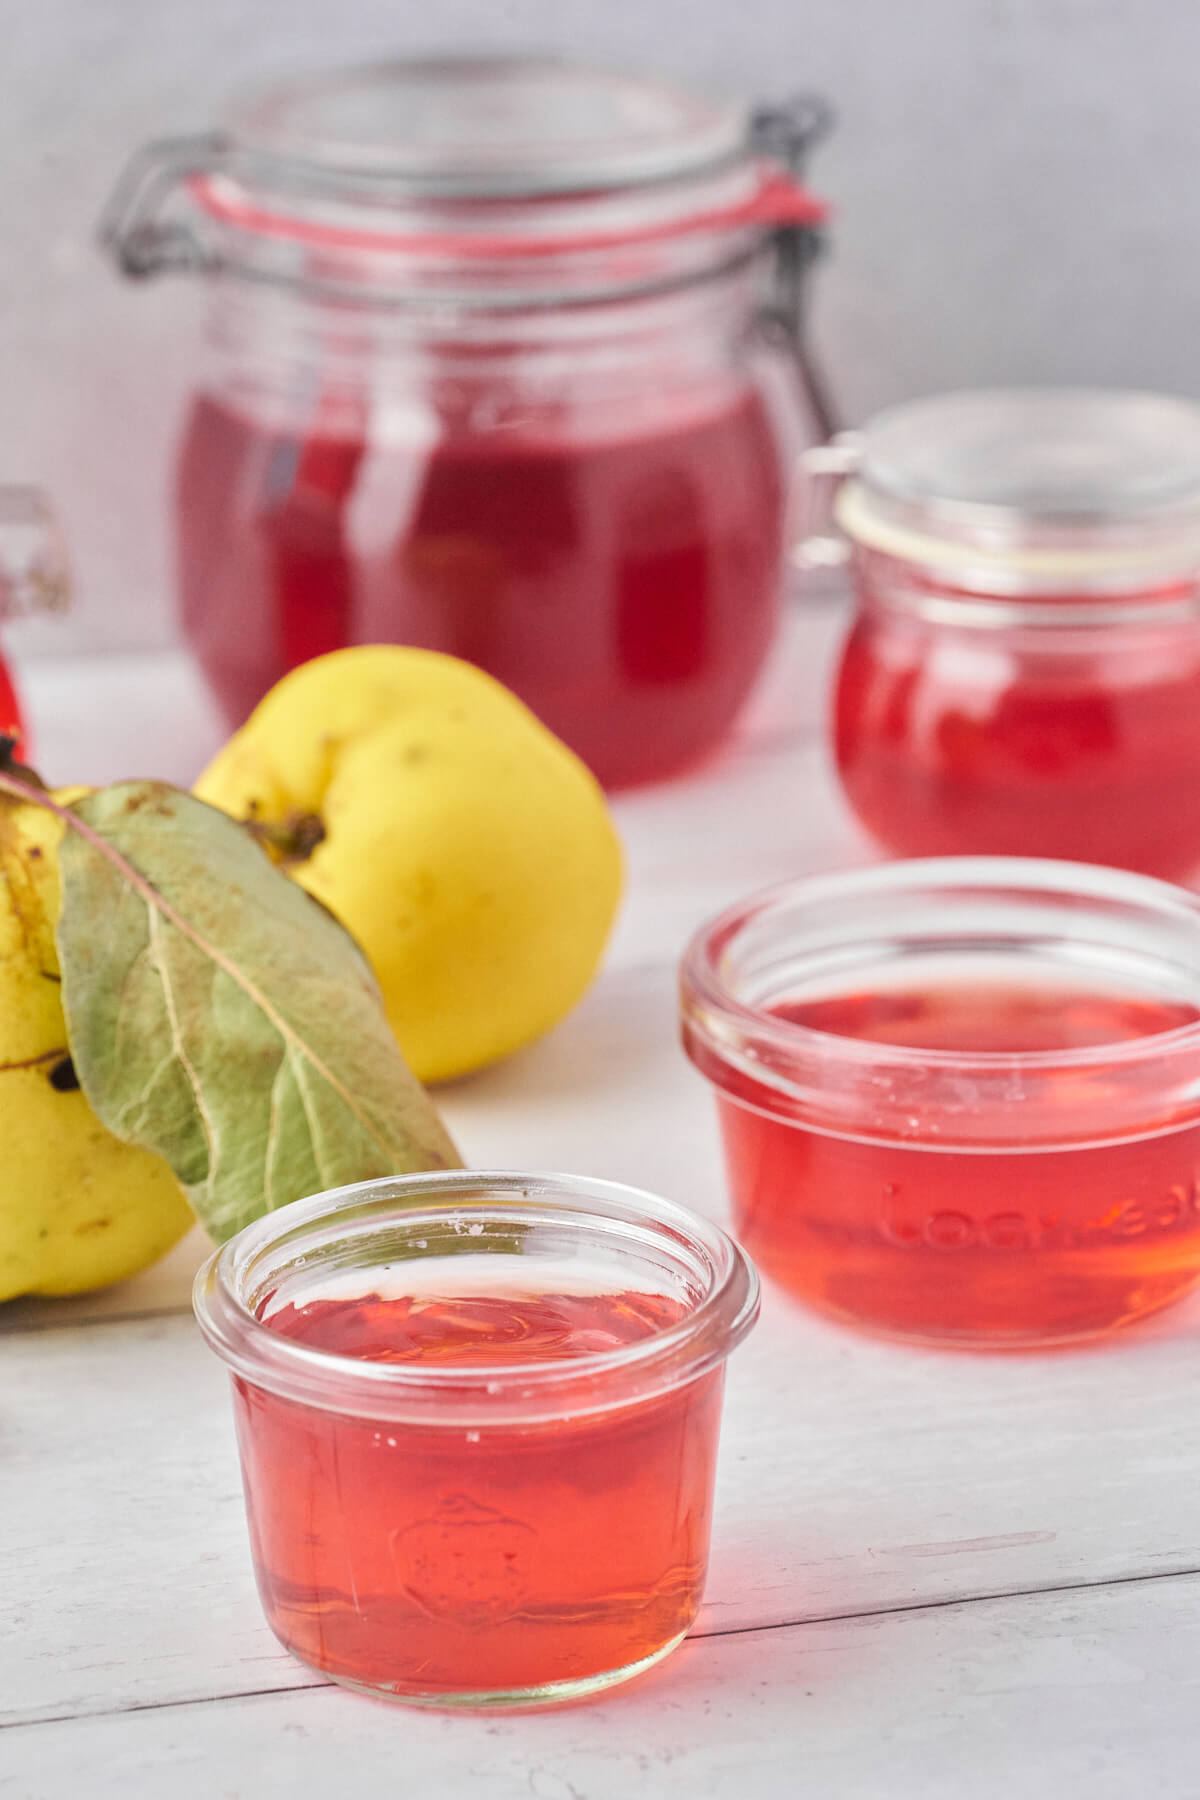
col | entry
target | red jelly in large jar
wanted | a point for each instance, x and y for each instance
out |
(622, 580)
(496, 366)
(958, 1098)
(478, 1421)
(1023, 675)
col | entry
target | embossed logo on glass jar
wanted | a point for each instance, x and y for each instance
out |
(467, 1563)
(902, 1225)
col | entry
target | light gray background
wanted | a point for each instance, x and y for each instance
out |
(1015, 183)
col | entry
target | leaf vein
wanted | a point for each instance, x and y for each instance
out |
(158, 958)
(157, 902)
(312, 1119)
(274, 1130)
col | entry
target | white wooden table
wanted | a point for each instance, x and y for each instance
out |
(934, 1575)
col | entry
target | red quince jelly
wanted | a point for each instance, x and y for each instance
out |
(1009, 1244)
(434, 1560)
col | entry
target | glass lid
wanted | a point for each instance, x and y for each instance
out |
(1081, 453)
(489, 126)
(1026, 484)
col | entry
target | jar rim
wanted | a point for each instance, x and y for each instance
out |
(1004, 601)
(475, 126)
(833, 1077)
(494, 1391)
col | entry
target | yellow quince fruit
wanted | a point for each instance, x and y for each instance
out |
(470, 853)
(78, 1208)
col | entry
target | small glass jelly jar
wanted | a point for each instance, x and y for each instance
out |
(1023, 675)
(478, 1418)
(504, 359)
(960, 1098)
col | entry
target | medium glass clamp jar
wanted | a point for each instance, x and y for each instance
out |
(1023, 673)
(505, 359)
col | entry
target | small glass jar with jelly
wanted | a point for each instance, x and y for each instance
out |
(959, 1097)
(478, 1418)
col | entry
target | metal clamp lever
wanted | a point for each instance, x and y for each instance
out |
(786, 132)
(135, 229)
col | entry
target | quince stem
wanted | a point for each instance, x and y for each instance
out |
(9, 764)
(290, 840)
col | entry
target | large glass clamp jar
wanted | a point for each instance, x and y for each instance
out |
(505, 359)
(1023, 673)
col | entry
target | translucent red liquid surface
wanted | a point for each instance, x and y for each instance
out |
(993, 1246)
(952, 742)
(624, 585)
(442, 1560)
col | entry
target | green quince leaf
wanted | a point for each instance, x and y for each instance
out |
(221, 1018)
